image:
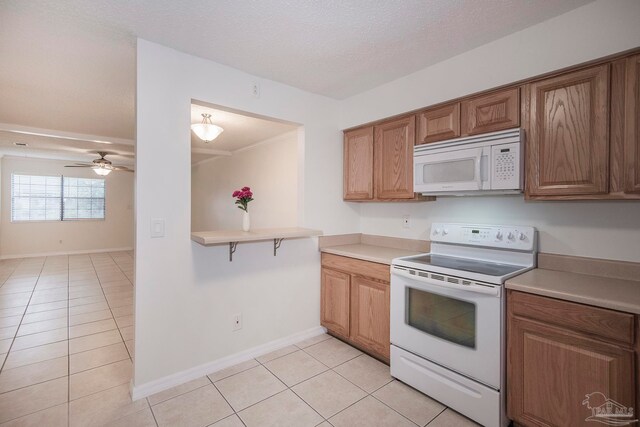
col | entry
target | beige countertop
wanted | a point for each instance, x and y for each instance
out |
(599, 291)
(373, 253)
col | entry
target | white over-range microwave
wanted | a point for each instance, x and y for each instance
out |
(485, 164)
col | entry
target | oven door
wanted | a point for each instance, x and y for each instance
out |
(456, 326)
(458, 170)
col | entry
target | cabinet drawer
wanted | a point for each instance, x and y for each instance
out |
(357, 266)
(605, 324)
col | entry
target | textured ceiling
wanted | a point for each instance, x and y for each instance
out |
(70, 64)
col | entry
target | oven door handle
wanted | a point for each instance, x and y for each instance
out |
(487, 290)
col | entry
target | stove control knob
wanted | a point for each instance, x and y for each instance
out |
(436, 231)
(522, 236)
(499, 235)
(445, 232)
(511, 236)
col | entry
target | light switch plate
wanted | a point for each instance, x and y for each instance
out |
(157, 227)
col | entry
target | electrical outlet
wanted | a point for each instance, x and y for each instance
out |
(237, 322)
(255, 90)
(406, 221)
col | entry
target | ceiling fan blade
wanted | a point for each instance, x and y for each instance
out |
(121, 168)
(78, 166)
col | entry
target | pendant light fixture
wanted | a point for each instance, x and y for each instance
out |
(206, 130)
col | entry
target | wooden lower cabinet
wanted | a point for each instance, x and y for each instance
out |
(335, 301)
(354, 303)
(561, 356)
(370, 314)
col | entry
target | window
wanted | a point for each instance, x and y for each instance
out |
(83, 198)
(56, 198)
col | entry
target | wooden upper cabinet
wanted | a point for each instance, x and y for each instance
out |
(632, 126)
(393, 157)
(370, 321)
(334, 294)
(358, 164)
(567, 134)
(492, 112)
(438, 124)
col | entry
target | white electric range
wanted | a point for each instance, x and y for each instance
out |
(448, 317)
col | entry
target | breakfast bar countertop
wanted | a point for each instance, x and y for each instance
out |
(220, 237)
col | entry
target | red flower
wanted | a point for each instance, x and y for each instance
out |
(243, 197)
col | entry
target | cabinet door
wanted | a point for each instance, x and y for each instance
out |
(632, 126)
(358, 164)
(394, 141)
(370, 314)
(551, 373)
(334, 301)
(568, 141)
(492, 112)
(440, 123)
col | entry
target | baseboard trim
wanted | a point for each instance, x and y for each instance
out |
(161, 384)
(89, 251)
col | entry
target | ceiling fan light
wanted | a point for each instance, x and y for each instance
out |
(101, 171)
(206, 130)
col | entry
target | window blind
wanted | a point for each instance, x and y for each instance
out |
(83, 198)
(56, 198)
(36, 198)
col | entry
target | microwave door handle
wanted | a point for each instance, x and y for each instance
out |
(478, 171)
(487, 290)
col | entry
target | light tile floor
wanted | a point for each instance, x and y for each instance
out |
(66, 335)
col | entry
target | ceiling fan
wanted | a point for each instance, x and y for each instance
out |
(101, 166)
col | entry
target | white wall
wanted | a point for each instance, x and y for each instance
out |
(186, 294)
(595, 229)
(31, 238)
(270, 168)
